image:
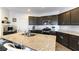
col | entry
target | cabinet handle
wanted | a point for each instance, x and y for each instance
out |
(61, 37)
(63, 22)
(78, 42)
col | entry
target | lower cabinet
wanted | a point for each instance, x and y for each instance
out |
(68, 40)
(62, 38)
(59, 37)
(74, 43)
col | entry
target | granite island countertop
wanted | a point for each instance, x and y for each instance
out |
(39, 42)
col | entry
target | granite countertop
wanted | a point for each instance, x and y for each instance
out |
(69, 32)
(39, 42)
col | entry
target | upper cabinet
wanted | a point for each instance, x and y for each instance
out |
(60, 19)
(50, 20)
(44, 20)
(64, 18)
(32, 20)
(69, 18)
(75, 16)
(54, 20)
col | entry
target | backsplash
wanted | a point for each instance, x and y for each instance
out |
(69, 27)
(40, 27)
(74, 28)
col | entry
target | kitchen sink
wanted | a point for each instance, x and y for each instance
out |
(29, 34)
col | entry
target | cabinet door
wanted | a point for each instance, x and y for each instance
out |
(75, 16)
(67, 18)
(59, 37)
(42, 20)
(37, 21)
(30, 20)
(60, 19)
(34, 20)
(65, 39)
(73, 42)
(64, 19)
(53, 20)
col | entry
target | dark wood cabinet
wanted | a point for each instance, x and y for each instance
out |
(49, 20)
(74, 42)
(64, 18)
(54, 20)
(62, 38)
(67, 18)
(65, 39)
(60, 19)
(68, 40)
(32, 20)
(59, 37)
(75, 16)
(38, 21)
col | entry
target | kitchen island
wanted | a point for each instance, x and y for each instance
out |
(39, 42)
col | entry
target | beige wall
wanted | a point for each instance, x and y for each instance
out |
(3, 13)
(1, 32)
(22, 20)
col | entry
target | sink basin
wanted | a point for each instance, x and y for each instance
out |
(29, 34)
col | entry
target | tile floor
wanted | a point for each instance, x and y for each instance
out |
(60, 47)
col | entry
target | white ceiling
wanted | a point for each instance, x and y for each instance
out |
(41, 10)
